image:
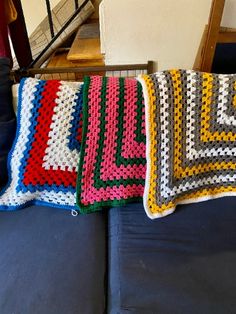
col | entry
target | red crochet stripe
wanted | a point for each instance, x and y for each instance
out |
(34, 173)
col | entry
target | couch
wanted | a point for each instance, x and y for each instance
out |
(117, 260)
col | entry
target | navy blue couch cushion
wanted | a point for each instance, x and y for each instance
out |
(183, 263)
(51, 262)
(7, 118)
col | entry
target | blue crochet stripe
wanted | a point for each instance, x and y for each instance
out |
(37, 203)
(46, 187)
(33, 123)
(73, 141)
(18, 127)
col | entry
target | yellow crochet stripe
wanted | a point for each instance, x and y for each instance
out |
(176, 81)
(234, 100)
(206, 135)
(179, 171)
(153, 207)
(152, 125)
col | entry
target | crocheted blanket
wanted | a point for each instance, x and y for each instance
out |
(191, 134)
(112, 164)
(43, 161)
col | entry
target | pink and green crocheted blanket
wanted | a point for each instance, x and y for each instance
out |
(112, 162)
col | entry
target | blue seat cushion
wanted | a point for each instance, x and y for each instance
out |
(51, 262)
(183, 263)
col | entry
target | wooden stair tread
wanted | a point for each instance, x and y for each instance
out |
(59, 60)
(86, 45)
(85, 49)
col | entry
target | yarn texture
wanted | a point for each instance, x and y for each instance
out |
(112, 163)
(42, 164)
(191, 133)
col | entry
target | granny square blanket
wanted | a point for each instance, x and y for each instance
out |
(191, 134)
(112, 162)
(43, 161)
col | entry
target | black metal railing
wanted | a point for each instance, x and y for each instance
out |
(76, 4)
(54, 36)
(50, 20)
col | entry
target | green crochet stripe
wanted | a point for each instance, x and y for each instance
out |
(120, 160)
(98, 206)
(83, 143)
(140, 137)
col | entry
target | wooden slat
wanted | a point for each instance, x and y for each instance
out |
(122, 67)
(227, 35)
(212, 35)
(78, 72)
(198, 61)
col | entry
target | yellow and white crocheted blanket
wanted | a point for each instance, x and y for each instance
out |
(191, 134)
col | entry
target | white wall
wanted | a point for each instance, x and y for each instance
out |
(166, 31)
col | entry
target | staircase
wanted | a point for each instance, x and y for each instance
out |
(85, 50)
(86, 46)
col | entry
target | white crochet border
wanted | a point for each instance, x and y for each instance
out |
(149, 213)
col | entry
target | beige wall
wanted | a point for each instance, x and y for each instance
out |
(35, 11)
(166, 31)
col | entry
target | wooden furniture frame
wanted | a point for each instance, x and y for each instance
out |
(212, 35)
(69, 73)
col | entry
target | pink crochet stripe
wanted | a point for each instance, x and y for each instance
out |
(108, 165)
(93, 134)
(111, 193)
(131, 148)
